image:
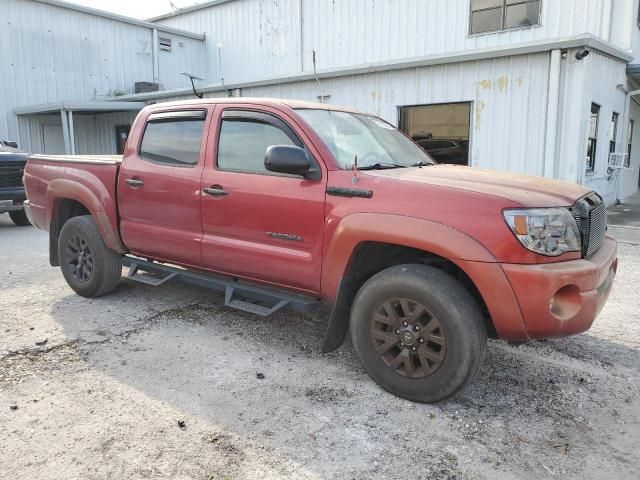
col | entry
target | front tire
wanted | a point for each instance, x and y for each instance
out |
(90, 268)
(19, 217)
(418, 332)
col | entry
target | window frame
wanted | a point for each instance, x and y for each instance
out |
(190, 114)
(503, 27)
(590, 167)
(613, 134)
(257, 116)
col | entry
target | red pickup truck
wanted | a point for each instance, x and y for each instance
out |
(287, 203)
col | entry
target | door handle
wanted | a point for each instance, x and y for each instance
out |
(134, 182)
(215, 191)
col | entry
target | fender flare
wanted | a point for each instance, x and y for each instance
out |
(97, 200)
(355, 229)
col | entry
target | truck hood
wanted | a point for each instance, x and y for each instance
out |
(528, 191)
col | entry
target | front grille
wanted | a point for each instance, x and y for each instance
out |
(11, 173)
(590, 213)
(597, 229)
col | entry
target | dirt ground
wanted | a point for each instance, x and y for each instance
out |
(165, 383)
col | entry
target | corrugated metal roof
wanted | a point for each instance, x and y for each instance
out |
(120, 18)
(87, 107)
(192, 8)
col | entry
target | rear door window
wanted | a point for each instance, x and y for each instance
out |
(173, 139)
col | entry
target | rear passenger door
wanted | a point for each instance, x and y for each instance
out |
(259, 224)
(159, 188)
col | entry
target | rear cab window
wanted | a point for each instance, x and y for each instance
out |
(173, 138)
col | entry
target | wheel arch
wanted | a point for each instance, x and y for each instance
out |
(66, 199)
(365, 244)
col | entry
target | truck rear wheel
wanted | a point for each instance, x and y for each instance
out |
(418, 332)
(19, 217)
(89, 267)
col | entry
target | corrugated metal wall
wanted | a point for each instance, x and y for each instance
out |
(52, 54)
(263, 38)
(508, 95)
(247, 39)
(94, 134)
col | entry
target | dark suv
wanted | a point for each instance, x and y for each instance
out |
(12, 196)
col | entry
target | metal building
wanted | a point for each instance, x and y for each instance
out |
(545, 87)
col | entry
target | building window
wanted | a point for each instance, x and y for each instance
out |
(627, 161)
(122, 135)
(592, 143)
(613, 133)
(496, 15)
(442, 130)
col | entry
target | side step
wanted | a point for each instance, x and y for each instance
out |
(251, 298)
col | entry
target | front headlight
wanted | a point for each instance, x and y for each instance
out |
(547, 231)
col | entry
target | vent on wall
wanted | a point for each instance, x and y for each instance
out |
(165, 44)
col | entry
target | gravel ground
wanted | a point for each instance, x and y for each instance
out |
(165, 383)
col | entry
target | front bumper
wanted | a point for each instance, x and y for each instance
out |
(11, 199)
(564, 298)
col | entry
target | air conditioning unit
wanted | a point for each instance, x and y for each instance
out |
(144, 87)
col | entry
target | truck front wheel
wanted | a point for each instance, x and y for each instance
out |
(88, 266)
(418, 332)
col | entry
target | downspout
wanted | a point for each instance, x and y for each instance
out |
(301, 36)
(72, 135)
(607, 20)
(553, 108)
(65, 132)
(154, 53)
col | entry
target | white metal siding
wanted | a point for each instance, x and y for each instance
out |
(94, 134)
(258, 38)
(52, 54)
(509, 98)
(263, 38)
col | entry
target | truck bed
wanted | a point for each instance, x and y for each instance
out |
(89, 180)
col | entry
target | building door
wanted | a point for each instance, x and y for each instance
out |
(53, 140)
(442, 130)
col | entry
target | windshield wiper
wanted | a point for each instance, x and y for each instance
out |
(382, 166)
(423, 164)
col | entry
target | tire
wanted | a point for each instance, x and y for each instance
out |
(441, 348)
(19, 217)
(89, 267)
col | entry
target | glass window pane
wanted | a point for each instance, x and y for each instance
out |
(243, 144)
(523, 15)
(486, 20)
(173, 142)
(482, 4)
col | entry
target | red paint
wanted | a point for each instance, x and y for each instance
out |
(454, 212)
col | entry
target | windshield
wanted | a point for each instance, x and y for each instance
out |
(376, 143)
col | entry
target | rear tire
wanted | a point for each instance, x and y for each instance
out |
(90, 268)
(19, 217)
(418, 332)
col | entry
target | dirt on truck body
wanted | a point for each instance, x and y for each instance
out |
(284, 203)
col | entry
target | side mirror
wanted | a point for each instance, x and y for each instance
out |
(288, 159)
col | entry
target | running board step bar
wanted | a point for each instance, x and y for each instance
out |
(247, 297)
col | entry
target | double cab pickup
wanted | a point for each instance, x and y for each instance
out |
(315, 203)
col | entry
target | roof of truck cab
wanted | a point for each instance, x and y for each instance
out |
(273, 102)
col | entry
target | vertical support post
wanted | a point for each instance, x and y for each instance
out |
(65, 132)
(155, 45)
(72, 136)
(553, 101)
